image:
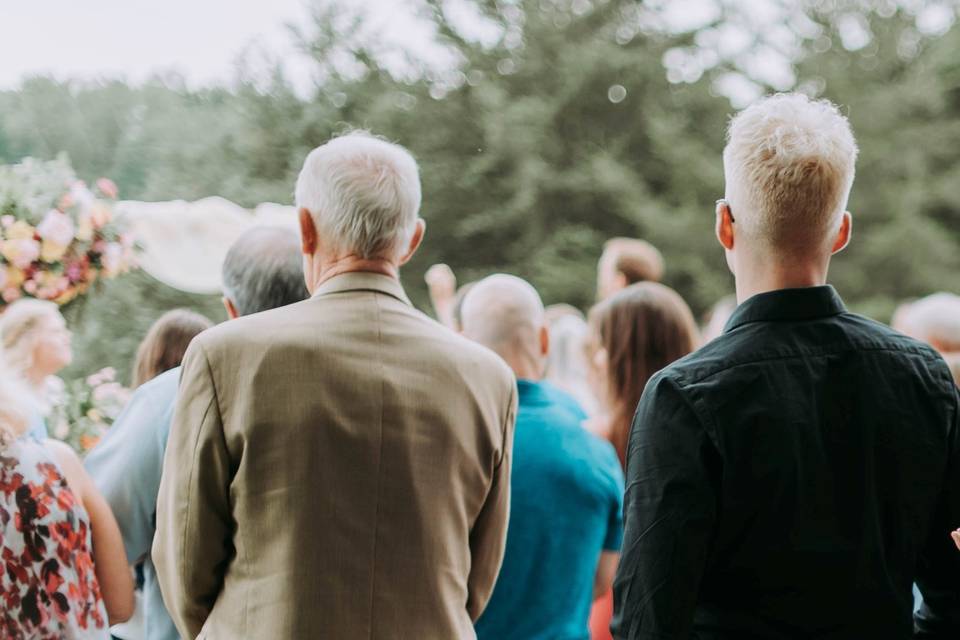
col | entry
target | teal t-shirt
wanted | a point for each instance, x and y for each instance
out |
(566, 507)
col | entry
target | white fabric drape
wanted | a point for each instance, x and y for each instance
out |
(184, 243)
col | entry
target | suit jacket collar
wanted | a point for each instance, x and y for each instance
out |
(363, 281)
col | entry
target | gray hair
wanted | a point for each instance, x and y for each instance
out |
(263, 270)
(363, 194)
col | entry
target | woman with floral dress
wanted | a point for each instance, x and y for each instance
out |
(63, 573)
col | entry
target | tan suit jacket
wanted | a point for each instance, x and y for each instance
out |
(338, 468)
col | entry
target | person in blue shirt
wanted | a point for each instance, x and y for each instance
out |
(262, 271)
(566, 485)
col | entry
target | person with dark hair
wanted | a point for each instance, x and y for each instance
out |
(167, 340)
(627, 261)
(633, 334)
(262, 268)
(794, 476)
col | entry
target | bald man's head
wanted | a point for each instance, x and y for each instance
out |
(505, 314)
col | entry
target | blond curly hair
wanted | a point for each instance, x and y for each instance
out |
(15, 405)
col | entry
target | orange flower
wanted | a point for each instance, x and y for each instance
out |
(88, 442)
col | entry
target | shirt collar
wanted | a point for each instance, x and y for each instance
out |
(531, 392)
(363, 281)
(807, 303)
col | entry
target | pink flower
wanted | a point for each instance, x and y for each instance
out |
(30, 286)
(11, 293)
(107, 188)
(56, 227)
(74, 272)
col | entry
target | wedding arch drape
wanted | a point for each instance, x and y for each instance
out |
(184, 243)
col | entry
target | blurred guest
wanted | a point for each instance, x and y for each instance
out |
(37, 343)
(634, 333)
(936, 321)
(717, 318)
(567, 360)
(62, 570)
(627, 261)
(446, 298)
(165, 343)
(566, 488)
(792, 477)
(262, 270)
(442, 287)
(340, 466)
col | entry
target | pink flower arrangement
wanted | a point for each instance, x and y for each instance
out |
(87, 408)
(57, 237)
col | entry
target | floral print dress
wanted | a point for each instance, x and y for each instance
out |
(48, 588)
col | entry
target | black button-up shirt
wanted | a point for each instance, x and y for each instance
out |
(792, 479)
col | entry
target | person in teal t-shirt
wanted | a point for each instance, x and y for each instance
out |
(566, 484)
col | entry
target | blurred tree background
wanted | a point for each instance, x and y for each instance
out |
(553, 126)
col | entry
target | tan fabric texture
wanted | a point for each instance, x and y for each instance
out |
(338, 468)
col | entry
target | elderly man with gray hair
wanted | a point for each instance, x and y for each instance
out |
(261, 271)
(338, 468)
(567, 486)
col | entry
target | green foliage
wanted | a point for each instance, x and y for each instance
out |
(531, 156)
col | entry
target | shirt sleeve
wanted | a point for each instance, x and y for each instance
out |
(614, 537)
(669, 516)
(488, 536)
(193, 543)
(126, 464)
(938, 573)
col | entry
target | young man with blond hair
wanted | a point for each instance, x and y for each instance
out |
(793, 477)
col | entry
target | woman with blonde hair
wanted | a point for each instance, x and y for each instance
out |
(34, 336)
(165, 343)
(634, 333)
(63, 572)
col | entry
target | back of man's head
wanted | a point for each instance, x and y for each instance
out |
(363, 194)
(263, 270)
(935, 320)
(637, 260)
(789, 166)
(505, 314)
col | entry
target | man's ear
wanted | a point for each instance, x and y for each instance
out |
(232, 312)
(843, 235)
(544, 341)
(724, 229)
(308, 233)
(415, 241)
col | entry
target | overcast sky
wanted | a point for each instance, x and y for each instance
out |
(134, 38)
(202, 39)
